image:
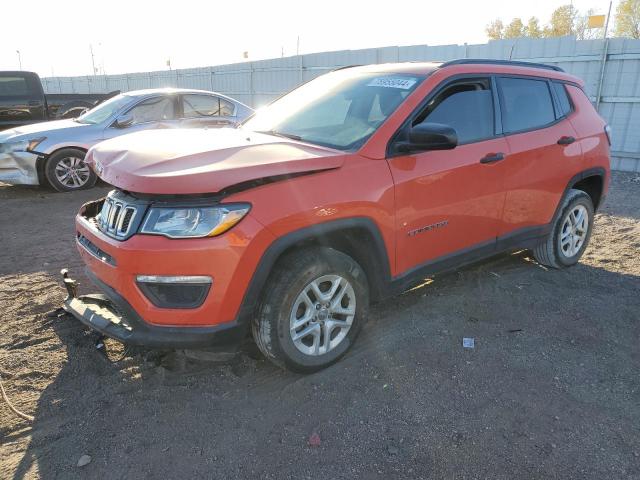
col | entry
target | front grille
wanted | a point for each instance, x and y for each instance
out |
(116, 218)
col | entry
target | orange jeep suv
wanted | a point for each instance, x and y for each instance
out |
(349, 189)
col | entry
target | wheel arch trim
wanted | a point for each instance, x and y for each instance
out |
(379, 275)
(577, 178)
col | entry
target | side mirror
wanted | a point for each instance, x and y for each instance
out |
(430, 136)
(123, 121)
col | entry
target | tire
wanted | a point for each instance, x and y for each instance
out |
(70, 161)
(567, 241)
(294, 275)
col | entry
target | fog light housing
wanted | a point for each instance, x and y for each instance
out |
(184, 291)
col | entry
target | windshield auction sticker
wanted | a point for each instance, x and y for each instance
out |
(391, 82)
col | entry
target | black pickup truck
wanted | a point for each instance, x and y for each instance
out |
(23, 101)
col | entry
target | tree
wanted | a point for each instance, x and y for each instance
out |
(495, 30)
(515, 29)
(562, 22)
(628, 19)
(533, 28)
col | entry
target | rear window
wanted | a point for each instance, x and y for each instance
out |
(198, 106)
(13, 87)
(563, 98)
(525, 103)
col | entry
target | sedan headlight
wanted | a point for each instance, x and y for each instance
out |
(21, 145)
(193, 222)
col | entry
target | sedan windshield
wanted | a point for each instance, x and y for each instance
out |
(340, 110)
(105, 110)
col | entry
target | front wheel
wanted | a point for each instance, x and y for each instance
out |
(312, 309)
(570, 232)
(66, 171)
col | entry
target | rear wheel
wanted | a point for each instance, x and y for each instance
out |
(570, 232)
(312, 309)
(66, 171)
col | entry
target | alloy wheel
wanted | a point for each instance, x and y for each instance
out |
(72, 172)
(322, 315)
(574, 231)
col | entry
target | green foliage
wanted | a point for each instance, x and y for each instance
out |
(628, 19)
(566, 20)
(562, 21)
(495, 30)
(515, 29)
(533, 28)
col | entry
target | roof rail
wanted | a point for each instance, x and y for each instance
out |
(486, 61)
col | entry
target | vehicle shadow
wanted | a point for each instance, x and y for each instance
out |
(395, 403)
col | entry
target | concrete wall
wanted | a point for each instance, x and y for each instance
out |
(614, 84)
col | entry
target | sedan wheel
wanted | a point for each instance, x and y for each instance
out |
(72, 172)
(66, 171)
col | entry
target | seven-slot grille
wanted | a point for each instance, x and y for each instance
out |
(116, 218)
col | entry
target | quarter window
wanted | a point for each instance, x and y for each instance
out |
(467, 107)
(226, 108)
(563, 98)
(526, 104)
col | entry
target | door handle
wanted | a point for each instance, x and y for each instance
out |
(565, 140)
(492, 157)
(34, 103)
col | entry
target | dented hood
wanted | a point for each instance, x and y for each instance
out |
(190, 161)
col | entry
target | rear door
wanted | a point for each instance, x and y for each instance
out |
(449, 202)
(544, 153)
(201, 110)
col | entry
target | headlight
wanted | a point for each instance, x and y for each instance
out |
(193, 222)
(22, 145)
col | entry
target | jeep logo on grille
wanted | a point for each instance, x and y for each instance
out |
(116, 217)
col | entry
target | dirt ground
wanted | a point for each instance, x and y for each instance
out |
(551, 389)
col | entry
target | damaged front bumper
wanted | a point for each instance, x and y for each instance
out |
(19, 168)
(111, 315)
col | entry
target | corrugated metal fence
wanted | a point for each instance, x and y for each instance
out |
(610, 69)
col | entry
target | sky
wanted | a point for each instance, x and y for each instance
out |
(55, 37)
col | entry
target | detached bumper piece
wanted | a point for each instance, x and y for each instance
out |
(111, 315)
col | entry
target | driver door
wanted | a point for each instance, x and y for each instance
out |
(449, 202)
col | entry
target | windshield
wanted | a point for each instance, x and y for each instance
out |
(105, 110)
(339, 110)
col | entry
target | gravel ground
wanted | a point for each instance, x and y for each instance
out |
(551, 389)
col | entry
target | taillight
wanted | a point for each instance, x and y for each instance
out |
(607, 130)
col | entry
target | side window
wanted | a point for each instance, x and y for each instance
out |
(525, 104)
(563, 98)
(467, 107)
(153, 110)
(199, 106)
